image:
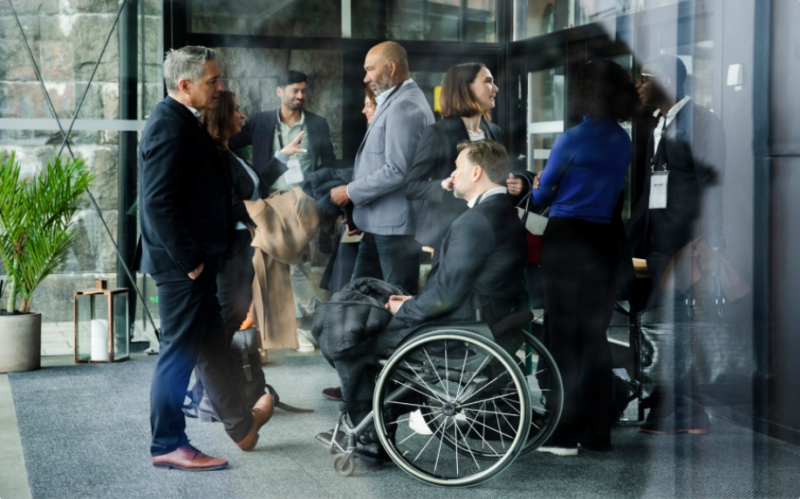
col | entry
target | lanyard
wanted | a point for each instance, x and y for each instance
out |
(280, 135)
(662, 150)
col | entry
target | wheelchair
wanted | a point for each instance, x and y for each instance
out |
(453, 407)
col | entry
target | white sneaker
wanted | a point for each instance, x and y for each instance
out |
(305, 345)
(264, 356)
(559, 451)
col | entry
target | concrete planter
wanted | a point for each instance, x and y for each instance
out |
(20, 342)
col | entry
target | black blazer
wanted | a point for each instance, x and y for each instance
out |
(435, 160)
(482, 257)
(695, 156)
(260, 132)
(184, 196)
(241, 185)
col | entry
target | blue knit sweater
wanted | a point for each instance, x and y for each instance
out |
(588, 164)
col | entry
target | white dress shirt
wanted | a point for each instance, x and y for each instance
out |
(663, 122)
(490, 192)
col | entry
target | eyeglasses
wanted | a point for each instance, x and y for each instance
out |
(647, 77)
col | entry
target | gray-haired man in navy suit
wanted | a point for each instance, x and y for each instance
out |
(185, 216)
(381, 210)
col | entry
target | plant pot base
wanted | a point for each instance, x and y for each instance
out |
(21, 340)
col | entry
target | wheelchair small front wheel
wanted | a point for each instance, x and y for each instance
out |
(344, 466)
(452, 408)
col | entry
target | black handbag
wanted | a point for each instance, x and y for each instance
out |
(253, 384)
(702, 342)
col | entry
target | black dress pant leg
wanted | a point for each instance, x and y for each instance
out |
(235, 293)
(577, 274)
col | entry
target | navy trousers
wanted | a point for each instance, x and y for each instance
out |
(192, 335)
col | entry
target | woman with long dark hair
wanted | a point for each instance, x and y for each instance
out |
(467, 98)
(581, 183)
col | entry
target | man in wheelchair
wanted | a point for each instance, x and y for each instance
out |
(477, 277)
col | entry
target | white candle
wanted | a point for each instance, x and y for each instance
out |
(99, 340)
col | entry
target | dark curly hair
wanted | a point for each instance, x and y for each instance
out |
(605, 90)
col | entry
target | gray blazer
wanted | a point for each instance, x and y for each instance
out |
(383, 161)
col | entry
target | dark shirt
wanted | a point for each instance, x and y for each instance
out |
(588, 163)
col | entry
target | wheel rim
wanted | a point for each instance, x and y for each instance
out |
(471, 403)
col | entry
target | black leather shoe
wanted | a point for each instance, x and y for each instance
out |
(333, 393)
(372, 453)
(697, 424)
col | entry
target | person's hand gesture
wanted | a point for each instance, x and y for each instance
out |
(294, 146)
(339, 196)
(448, 184)
(514, 185)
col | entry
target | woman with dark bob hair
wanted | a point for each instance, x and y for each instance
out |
(467, 98)
(582, 183)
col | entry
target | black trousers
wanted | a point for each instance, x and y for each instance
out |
(357, 376)
(578, 281)
(397, 257)
(191, 335)
(235, 293)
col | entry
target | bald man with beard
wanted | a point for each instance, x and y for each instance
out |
(380, 209)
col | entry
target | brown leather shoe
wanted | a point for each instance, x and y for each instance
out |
(187, 458)
(262, 412)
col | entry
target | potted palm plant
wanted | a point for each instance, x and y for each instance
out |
(36, 232)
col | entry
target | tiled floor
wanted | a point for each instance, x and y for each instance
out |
(58, 338)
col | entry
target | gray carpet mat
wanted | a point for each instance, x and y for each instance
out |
(85, 434)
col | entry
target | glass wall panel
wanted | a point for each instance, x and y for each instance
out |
(545, 114)
(432, 20)
(65, 41)
(540, 17)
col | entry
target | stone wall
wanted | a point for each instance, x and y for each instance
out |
(67, 38)
(252, 75)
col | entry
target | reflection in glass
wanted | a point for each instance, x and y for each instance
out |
(432, 20)
(545, 114)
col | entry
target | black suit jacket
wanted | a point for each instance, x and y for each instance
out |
(695, 157)
(260, 133)
(434, 161)
(482, 258)
(184, 195)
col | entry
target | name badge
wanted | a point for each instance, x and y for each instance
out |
(658, 190)
(294, 175)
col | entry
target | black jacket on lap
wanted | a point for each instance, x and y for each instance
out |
(434, 161)
(355, 313)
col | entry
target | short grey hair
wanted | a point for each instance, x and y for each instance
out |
(186, 63)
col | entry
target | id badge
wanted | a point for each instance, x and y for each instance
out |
(294, 175)
(658, 190)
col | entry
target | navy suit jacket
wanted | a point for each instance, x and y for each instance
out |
(260, 133)
(483, 255)
(184, 194)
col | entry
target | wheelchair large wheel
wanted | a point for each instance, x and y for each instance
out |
(452, 408)
(546, 391)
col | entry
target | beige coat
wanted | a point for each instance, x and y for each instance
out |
(285, 223)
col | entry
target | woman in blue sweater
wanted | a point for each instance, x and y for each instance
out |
(582, 182)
